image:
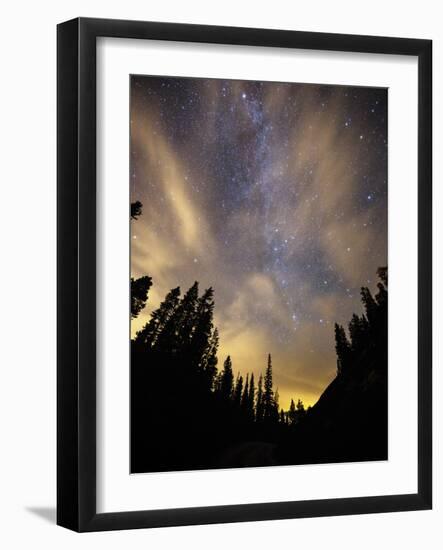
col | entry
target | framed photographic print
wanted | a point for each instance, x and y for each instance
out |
(231, 205)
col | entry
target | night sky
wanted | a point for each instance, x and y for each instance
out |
(274, 194)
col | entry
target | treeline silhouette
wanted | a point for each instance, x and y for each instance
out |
(349, 422)
(186, 413)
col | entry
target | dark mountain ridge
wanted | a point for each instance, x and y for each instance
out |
(349, 422)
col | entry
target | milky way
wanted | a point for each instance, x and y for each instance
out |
(275, 195)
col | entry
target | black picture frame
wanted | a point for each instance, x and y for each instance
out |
(76, 266)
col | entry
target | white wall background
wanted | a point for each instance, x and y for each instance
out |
(27, 276)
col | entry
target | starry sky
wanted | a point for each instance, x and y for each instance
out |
(274, 194)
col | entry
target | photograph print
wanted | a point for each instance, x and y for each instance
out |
(259, 274)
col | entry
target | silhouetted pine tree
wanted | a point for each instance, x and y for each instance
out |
(227, 379)
(342, 347)
(176, 333)
(139, 294)
(300, 409)
(377, 313)
(209, 360)
(238, 390)
(382, 272)
(259, 409)
(376, 308)
(276, 406)
(370, 305)
(358, 330)
(136, 209)
(382, 296)
(186, 319)
(149, 334)
(292, 413)
(217, 382)
(203, 328)
(268, 394)
(251, 398)
(245, 396)
(282, 417)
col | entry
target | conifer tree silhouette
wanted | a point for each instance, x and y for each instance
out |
(227, 379)
(292, 415)
(342, 348)
(245, 396)
(176, 332)
(370, 305)
(276, 406)
(209, 359)
(203, 327)
(150, 333)
(139, 294)
(358, 330)
(136, 210)
(251, 398)
(238, 390)
(382, 272)
(259, 408)
(268, 394)
(282, 417)
(300, 409)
